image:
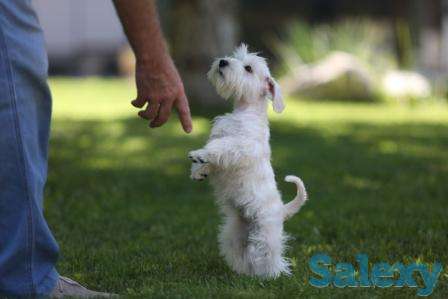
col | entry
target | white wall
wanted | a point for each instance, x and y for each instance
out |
(74, 26)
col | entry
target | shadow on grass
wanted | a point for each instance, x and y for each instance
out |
(129, 219)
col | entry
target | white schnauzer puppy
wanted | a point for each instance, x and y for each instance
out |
(237, 158)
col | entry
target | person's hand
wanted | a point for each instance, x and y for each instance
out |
(161, 87)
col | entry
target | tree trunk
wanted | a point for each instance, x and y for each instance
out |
(199, 31)
(402, 34)
(445, 36)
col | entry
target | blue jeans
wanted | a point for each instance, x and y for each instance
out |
(28, 251)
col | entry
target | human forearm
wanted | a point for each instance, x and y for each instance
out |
(142, 27)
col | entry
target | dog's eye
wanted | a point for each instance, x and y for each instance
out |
(248, 68)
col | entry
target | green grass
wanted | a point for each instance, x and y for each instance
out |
(129, 220)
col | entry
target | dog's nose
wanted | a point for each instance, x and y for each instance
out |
(223, 63)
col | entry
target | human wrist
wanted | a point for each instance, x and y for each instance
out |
(154, 63)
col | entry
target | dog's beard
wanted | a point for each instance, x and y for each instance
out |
(223, 87)
(224, 90)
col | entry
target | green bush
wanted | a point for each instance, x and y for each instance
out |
(369, 41)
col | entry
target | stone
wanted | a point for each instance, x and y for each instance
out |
(339, 76)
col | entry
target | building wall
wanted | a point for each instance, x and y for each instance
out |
(79, 29)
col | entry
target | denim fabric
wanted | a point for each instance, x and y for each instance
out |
(28, 251)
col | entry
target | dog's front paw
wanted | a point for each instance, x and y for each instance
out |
(199, 172)
(198, 156)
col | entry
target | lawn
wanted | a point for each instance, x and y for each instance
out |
(129, 220)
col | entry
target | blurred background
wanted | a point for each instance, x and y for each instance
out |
(322, 49)
(365, 127)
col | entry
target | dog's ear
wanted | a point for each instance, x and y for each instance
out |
(275, 95)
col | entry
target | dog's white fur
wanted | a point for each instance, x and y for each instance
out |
(237, 160)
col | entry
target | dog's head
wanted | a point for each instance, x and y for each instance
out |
(245, 77)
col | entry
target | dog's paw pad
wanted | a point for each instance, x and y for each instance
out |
(198, 156)
(199, 171)
(199, 177)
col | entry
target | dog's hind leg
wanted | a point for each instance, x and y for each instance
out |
(265, 250)
(233, 241)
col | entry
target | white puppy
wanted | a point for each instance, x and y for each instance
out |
(237, 160)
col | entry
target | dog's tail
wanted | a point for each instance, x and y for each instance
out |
(294, 205)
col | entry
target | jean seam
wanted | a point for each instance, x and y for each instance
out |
(20, 155)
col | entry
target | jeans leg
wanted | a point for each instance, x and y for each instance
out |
(28, 251)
